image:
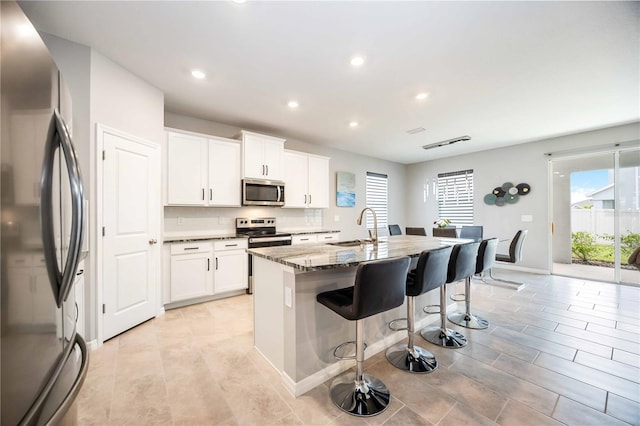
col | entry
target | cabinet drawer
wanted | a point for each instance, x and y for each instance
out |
(187, 248)
(304, 239)
(323, 238)
(19, 260)
(230, 244)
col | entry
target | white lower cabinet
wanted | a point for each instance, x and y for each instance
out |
(191, 270)
(205, 268)
(324, 237)
(231, 265)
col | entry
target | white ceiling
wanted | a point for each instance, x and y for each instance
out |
(502, 72)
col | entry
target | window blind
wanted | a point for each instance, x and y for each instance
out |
(377, 198)
(455, 197)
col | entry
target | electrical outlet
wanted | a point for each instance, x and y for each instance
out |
(288, 296)
(526, 218)
(336, 218)
(180, 220)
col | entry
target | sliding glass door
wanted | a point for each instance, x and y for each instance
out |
(596, 215)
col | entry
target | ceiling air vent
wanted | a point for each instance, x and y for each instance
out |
(416, 130)
(447, 142)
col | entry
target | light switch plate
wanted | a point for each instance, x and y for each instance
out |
(288, 302)
(527, 218)
(336, 218)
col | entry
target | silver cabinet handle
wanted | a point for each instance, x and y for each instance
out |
(210, 194)
(267, 166)
(263, 170)
(153, 241)
(216, 263)
(309, 198)
(202, 194)
(231, 245)
(191, 248)
(208, 264)
(305, 198)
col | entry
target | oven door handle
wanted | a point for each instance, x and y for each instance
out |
(269, 239)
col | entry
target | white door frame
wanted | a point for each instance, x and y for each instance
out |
(101, 130)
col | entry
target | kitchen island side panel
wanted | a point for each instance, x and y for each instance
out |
(268, 306)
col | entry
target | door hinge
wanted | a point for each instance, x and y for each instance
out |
(104, 308)
(104, 154)
(103, 231)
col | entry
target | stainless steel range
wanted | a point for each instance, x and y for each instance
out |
(262, 233)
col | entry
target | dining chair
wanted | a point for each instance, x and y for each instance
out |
(415, 231)
(473, 232)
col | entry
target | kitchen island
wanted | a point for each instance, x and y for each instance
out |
(295, 333)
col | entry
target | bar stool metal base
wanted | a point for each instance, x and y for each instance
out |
(367, 397)
(468, 320)
(416, 360)
(447, 339)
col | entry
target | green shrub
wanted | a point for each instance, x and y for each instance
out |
(630, 241)
(583, 244)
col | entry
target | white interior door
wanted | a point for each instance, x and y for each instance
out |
(131, 219)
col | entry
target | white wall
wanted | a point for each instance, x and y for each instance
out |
(297, 218)
(103, 92)
(521, 163)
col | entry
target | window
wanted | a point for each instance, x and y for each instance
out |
(455, 197)
(377, 191)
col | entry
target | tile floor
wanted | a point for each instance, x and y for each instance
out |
(560, 351)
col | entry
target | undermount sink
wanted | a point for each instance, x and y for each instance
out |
(351, 243)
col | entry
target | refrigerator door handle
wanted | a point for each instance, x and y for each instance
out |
(58, 137)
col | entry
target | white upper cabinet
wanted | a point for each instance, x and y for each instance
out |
(262, 156)
(187, 169)
(202, 170)
(224, 172)
(306, 180)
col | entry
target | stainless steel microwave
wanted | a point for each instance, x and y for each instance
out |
(258, 192)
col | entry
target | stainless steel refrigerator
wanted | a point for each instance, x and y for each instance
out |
(43, 359)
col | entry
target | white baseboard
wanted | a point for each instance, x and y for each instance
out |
(92, 345)
(333, 370)
(512, 267)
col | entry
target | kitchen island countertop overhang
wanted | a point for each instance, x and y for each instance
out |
(294, 333)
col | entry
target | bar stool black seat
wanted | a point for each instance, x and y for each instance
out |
(430, 273)
(462, 264)
(485, 260)
(379, 286)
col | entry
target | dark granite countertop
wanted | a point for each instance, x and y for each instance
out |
(316, 257)
(305, 232)
(176, 237)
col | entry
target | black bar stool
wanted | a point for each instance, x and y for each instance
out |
(430, 273)
(486, 258)
(462, 264)
(379, 286)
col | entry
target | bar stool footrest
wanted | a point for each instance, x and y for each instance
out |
(342, 345)
(392, 326)
(427, 310)
(458, 297)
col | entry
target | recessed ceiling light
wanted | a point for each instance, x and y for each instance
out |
(357, 61)
(239, 1)
(422, 96)
(198, 74)
(353, 124)
(293, 104)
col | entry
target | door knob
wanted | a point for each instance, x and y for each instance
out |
(153, 241)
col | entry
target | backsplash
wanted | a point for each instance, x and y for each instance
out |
(223, 220)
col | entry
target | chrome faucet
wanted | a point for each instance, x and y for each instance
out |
(374, 235)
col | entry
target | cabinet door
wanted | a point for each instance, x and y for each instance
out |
(231, 270)
(318, 182)
(191, 276)
(187, 167)
(274, 159)
(253, 157)
(295, 169)
(224, 173)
